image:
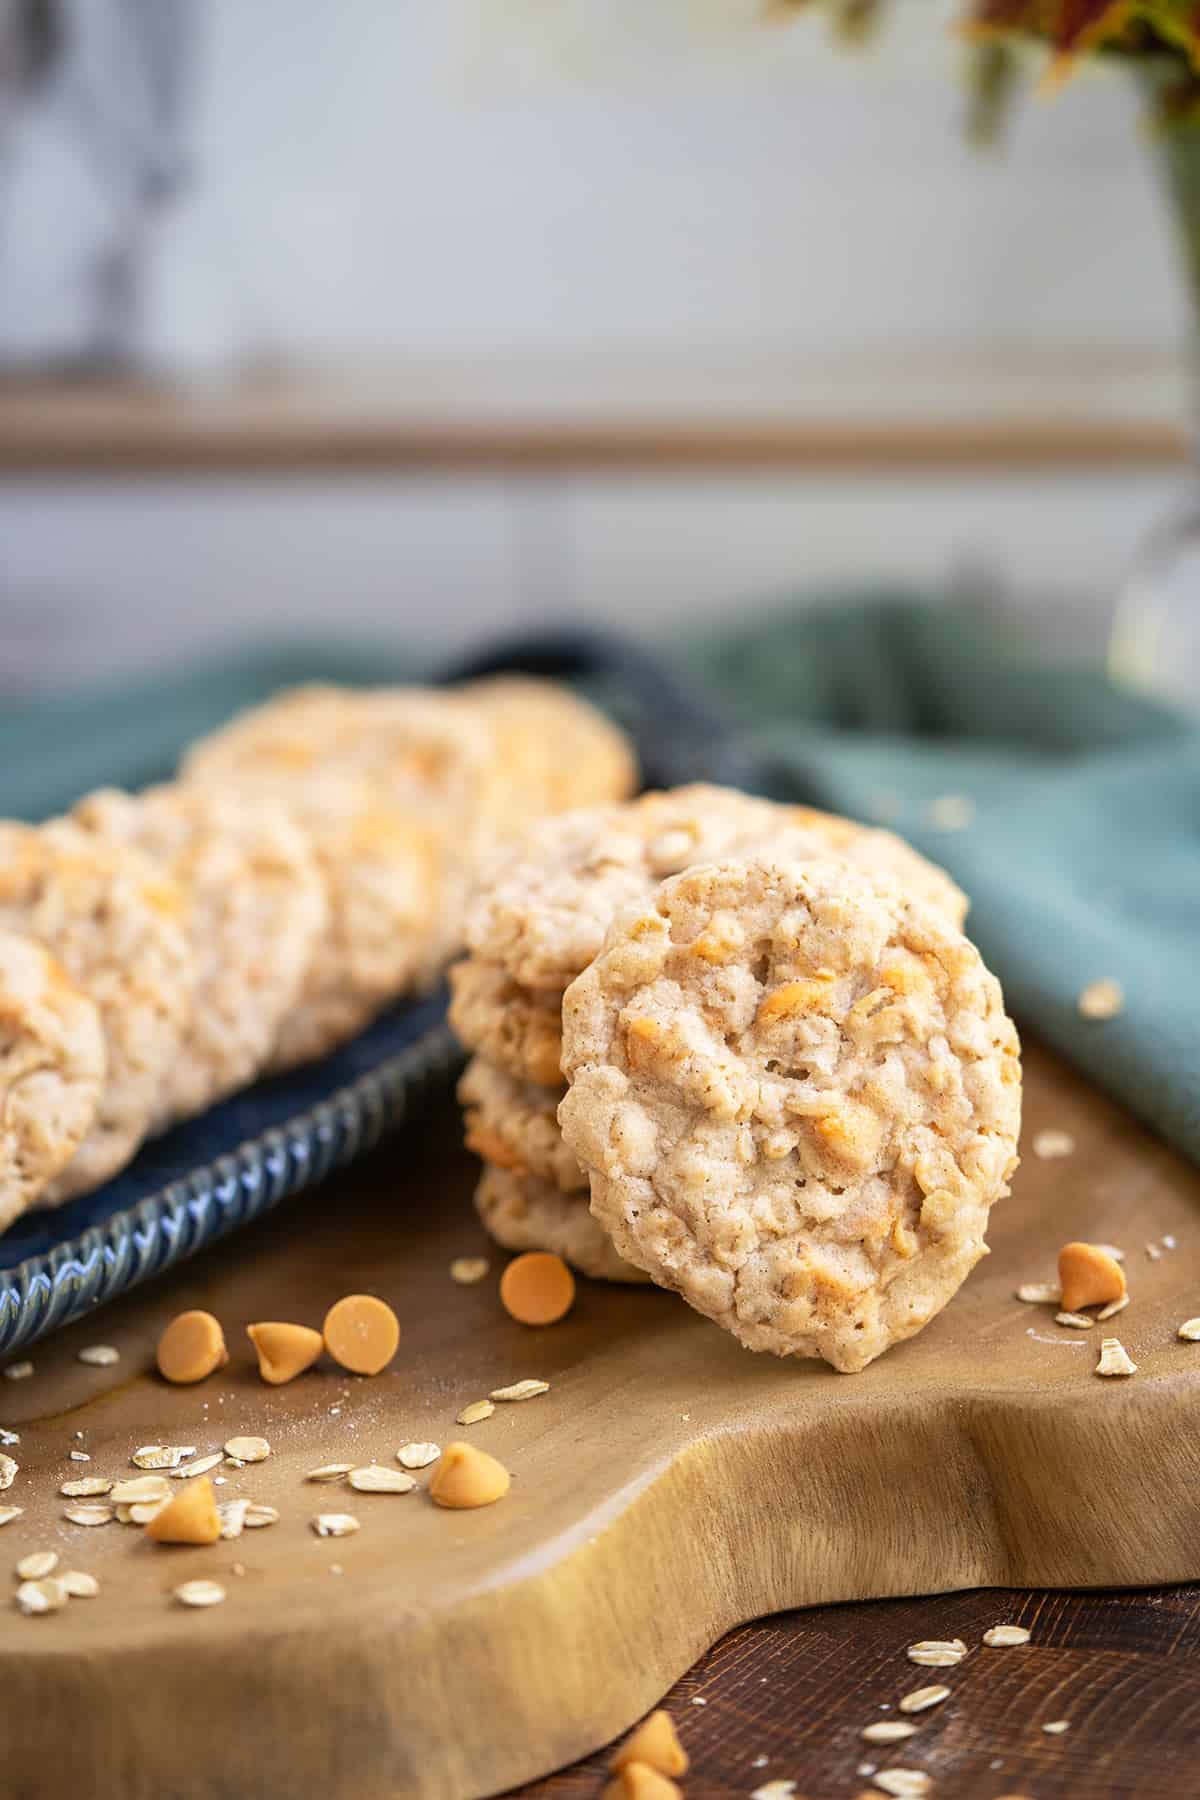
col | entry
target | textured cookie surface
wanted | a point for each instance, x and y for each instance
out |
(544, 911)
(118, 927)
(514, 1124)
(522, 1213)
(257, 908)
(797, 1094)
(554, 751)
(519, 1031)
(52, 1065)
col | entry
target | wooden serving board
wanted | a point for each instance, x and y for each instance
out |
(668, 1486)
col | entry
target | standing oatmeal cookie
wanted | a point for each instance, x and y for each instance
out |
(523, 1213)
(514, 1124)
(553, 750)
(257, 909)
(797, 1094)
(52, 1065)
(543, 912)
(118, 925)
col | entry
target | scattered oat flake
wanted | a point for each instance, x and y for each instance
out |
(1113, 1308)
(9, 1513)
(1040, 1293)
(373, 1478)
(1115, 1359)
(888, 1731)
(37, 1564)
(937, 1653)
(1080, 1321)
(903, 1782)
(162, 1456)
(334, 1524)
(1056, 1727)
(1102, 999)
(9, 1471)
(1005, 1637)
(520, 1390)
(1189, 1331)
(41, 1596)
(237, 1568)
(141, 1511)
(952, 812)
(86, 1488)
(1169, 1242)
(232, 1514)
(697, 1701)
(139, 1488)
(200, 1593)
(478, 1409)
(78, 1585)
(923, 1697)
(1153, 1252)
(248, 1449)
(418, 1456)
(99, 1356)
(1052, 1144)
(89, 1515)
(9, 1437)
(259, 1514)
(468, 1269)
(1113, 1250)
(201, 1466)
(329, 1472)
(78, 1456)
(20, 1371)
(774, 1790)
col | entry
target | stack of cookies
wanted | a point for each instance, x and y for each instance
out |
(538, 922)
(161, 949)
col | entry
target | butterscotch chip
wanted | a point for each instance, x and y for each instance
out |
(1089, 1276)
(190, 1518)
(284, 1351)
(656, 1743)
(467, 1477)
(191, 1347)
(537, 1288)
(638, 1781)
(361, 1333)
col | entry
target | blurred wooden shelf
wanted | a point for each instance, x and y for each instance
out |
(921, 409)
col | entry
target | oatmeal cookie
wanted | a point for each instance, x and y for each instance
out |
(544, 910)
(520, 1032)
(553, 749)
(257, 911)
(797, 1094)
(52, 1067)
(514, 1124)
(523, 1213)
(119, 927)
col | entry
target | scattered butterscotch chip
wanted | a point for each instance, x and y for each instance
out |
(141, 1488)
(905, 1784)
(1040, 1293)
(329, 1472)
(1102, 999)
(374, 1479)
(99, 1356)
(418, 1456)
(937, 1653)
(37, 1564)
(466, 1477)
(200, 1593)
(656, 1742)
(9, 1470)
(468, 1269)
(1189, 1331)
(89, 1515)
(248, 1449)
(1113, 1308)
(520, 1390)
(1006, 1637)
(1089, 1276)
(888, 1731)
(78, 1585)
(18, 1371)
(1080, 1321)
(638, 1781)
(476, 1412)
(284, 1351)
(335, 1524)
(923, 1697)
(41, 1596)
(537, 1288)
(190, 1518)
(1115, 1359)
(161, 1456)
(201, 1466)
(9, 1513)
(191, 1347)
(361, 1333)
(86, 1488)
(1048, 1145)
(1056, 1727)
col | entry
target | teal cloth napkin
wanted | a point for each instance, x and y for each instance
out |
(1082, 859)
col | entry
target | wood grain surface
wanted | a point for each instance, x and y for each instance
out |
(668, 1487)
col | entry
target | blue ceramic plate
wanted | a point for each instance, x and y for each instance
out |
(217, 1173)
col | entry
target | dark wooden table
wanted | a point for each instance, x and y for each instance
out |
(796, 1690)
